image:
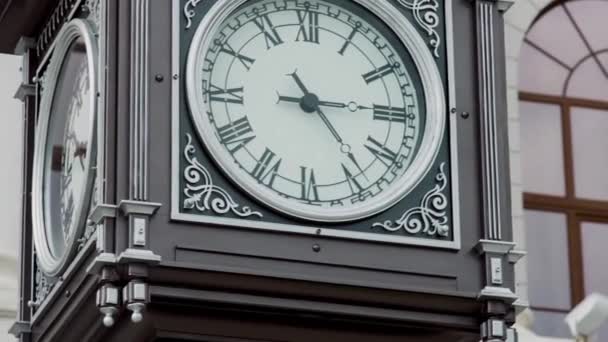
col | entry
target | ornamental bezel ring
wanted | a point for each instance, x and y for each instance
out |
(49, 264)
(434, 98)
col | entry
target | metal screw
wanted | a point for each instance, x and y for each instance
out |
(465, 115)
(316, 248)
(176, 76)
(68, 293)
(159, 78)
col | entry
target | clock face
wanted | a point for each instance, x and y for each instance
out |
(314, 107)
(66, 171)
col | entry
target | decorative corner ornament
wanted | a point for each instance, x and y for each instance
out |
(202, 194)
(430, 217)
(42, 289)
(425, 13)
(189, 11)
(93, 7)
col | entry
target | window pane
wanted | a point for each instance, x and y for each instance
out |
(550, 33)
(588, 81)
(595, 241)
(590, 143)
(540, 74)
(547, 244)
(542, 148)
(590, 16)
(550, 324)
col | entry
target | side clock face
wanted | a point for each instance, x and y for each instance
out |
(65, 148)
(66, 172)
(317, 108)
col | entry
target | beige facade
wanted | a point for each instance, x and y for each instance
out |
(10, 189)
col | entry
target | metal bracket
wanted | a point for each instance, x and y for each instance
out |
(20, 328)
(497, 293)
(24, 44)
(515, 255)
(101, 212)
(128, 207)
(24, 91)
(494, 246)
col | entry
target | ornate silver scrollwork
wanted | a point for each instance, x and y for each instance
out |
(89, 231)
(430, 217)
(189, 11)
(202, 194)
(43, 287)
(93, 7)
(425, 12)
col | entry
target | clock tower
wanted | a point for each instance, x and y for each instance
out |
(265, 170)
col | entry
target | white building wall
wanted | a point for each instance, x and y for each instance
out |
(11, 125)
(517, 22)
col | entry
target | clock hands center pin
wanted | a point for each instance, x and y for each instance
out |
(309, 104)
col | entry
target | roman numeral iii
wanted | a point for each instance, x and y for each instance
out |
(392, 114)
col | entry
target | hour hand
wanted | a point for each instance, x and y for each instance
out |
(288, 98)
(299, 82)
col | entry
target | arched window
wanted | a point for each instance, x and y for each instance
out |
(563, 83)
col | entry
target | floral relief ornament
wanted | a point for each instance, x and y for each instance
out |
(189, 11)
(43, 287)
(430, 218)
(93, 7)
(425, 13)
(202, 194)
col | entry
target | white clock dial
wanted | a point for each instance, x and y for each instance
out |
(314, 107)
(67, 149)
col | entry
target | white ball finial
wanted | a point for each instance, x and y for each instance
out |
(136, 317)
(108, 320)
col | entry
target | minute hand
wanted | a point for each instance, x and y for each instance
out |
(320, 103)
(330, 126)
(332, 104)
